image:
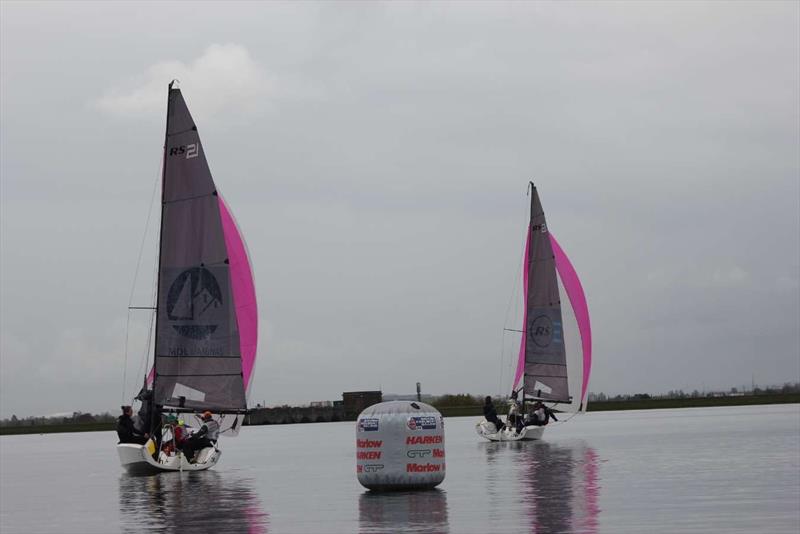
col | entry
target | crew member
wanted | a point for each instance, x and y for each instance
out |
(205, 437)
(515, 417)
(491, 414)
(126, 430)
(541, 414)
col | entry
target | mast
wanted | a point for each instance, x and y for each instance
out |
(160, 242)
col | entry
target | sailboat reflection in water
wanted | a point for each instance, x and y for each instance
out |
(559, 485)
(194, 502)
(423, 512)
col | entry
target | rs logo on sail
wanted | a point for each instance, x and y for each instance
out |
(542, 228)
(540, 330)
(191, 151)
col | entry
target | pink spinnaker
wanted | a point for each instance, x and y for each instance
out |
(244, 291)
(577, 299)
(525, 269)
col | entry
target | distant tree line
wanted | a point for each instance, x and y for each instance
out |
(75, 418)
(785, 389)
(460, 399)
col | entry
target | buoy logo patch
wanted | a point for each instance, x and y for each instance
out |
(372, 468)
(422, 422)
(367, 425)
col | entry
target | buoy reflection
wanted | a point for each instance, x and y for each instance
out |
(408, 511)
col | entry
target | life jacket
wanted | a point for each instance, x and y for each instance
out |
(212, 430)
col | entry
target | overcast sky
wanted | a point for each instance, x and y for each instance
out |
(376, 157)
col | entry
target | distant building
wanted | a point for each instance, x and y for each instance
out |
(356, 401)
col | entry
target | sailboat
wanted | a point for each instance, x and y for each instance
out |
(549, 369)
(206, 330)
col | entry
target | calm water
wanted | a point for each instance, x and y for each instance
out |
(692, 470)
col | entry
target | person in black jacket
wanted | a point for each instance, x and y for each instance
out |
(491, 414)
(126, 430)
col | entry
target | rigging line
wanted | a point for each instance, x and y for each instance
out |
(562, 421)
(502, 367)
(514, 290)
(153, 299)
(195, 197)
(142, 367)
(146, 357)
(171, 375)
(125, 365)
(192, 129)
(136, 277)
(144, 236)
(151, 328)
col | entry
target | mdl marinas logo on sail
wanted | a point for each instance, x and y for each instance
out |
(196, 310)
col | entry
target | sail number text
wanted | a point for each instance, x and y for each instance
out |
(191, 151)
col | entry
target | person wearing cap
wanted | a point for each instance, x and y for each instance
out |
(127, 431)
(205, 437)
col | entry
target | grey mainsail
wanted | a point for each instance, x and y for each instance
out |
(545, 355)
(198, 360)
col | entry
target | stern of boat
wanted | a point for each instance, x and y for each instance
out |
(136, 460)
(488, 430)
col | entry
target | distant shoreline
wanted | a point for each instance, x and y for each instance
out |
(477, 410)
(654, 404)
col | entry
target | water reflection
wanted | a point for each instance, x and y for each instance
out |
(412, 511)
(190, 502)
(558, 484)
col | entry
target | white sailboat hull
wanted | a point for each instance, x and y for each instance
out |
(487, 430)
(136, 460)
